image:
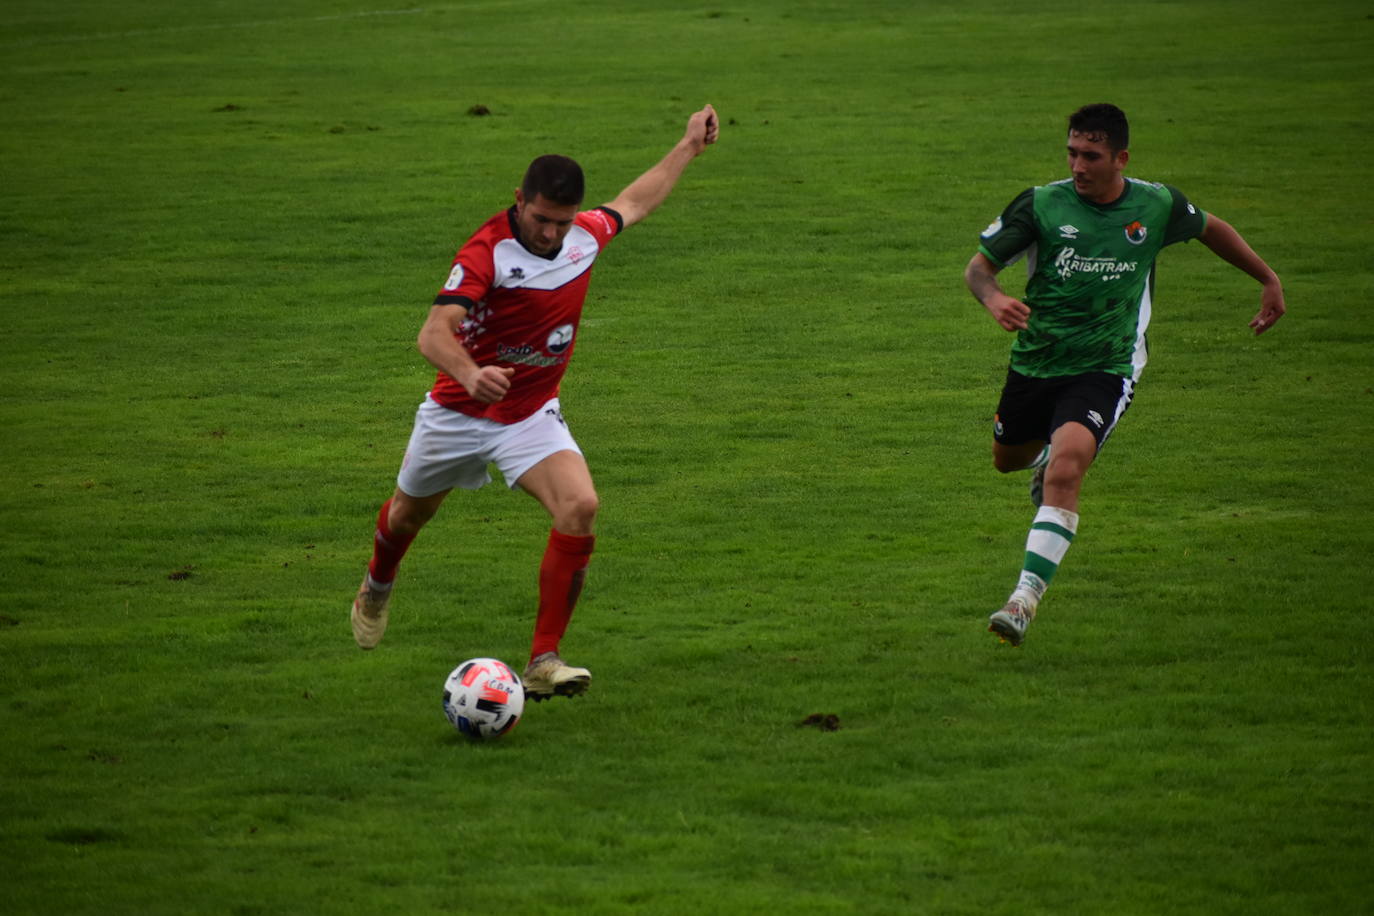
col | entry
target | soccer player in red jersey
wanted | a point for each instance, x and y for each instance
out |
(500, 334)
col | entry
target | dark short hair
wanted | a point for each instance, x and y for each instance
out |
(557, 179)
(1102, 121)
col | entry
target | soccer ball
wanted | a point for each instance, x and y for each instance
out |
(483, 698)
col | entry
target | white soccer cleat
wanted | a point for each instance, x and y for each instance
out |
(369, 615)
(547, 676)
(1011, 622)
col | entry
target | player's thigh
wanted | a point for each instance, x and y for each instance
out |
(563, 485)
(1024, 411)
(446, 450)
(1073, 448)
(562, 482)
(525, 445)
(1095, 400)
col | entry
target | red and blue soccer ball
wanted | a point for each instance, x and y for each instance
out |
(483, 698)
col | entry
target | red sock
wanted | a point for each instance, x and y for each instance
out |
(387, 549)
(560, 582)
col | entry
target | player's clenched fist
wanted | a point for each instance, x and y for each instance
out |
(489, 384)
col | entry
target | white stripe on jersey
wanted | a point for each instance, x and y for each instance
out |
(1142, 323)
(1138, 357)
(517, 267)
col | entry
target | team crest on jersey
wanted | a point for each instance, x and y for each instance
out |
(575, 254)
(560, 338)
(1136, 232)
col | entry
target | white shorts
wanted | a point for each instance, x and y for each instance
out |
(451, 449)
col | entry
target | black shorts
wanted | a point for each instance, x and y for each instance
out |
(1031, 409)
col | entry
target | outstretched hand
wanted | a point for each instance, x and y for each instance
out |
(645, 193)
(702, 129)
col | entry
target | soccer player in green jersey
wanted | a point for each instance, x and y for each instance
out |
(1090, 242)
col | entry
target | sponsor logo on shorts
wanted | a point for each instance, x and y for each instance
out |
(1096, 418)
(997, 428)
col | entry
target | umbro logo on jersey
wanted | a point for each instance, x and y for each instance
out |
(1136, 232)
(1096, 418)
(1068, 232)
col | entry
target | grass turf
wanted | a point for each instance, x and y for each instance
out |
(221, 228)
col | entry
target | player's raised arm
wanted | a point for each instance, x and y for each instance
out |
(1227, 243)
(981, 278)
(646, 192)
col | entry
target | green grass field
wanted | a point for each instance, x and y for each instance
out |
(220, 229)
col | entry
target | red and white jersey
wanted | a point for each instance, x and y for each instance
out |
(522, 309)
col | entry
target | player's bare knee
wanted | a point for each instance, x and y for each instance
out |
(579, 512)
(1065, 473)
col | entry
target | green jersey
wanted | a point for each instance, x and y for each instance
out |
(1091, 272)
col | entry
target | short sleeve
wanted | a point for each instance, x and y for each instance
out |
(470, 276)
(1186, 220)
(1011, 233)
(603, 223)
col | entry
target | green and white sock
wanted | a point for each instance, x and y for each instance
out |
(1050, 536)
(1041, 459)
